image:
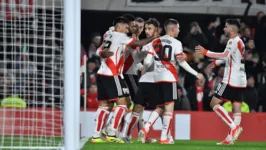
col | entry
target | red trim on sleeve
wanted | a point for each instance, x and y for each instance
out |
(205, 52)
(128, 44)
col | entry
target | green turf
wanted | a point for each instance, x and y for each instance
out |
(30, 141)
(179, 145)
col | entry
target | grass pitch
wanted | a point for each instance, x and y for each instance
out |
(179, 145)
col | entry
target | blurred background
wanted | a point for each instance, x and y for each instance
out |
(201, 22)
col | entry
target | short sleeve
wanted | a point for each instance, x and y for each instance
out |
(178, 48)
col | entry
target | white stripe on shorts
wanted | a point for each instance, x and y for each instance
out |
(174, 90)
(118, 86)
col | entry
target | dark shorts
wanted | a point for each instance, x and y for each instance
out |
(110, 88)
(146, 94)
(226, 92)
(132, 84)
(166, 92)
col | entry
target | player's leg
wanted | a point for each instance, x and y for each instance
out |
(236, 119)
(167, 120)
(120, 110)
(142, 135)
(131, 83)
(170, 96)
(224, 91)
(103, 110)
(139, 104)
(101, 114)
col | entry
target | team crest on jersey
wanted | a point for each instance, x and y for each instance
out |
(230, 43)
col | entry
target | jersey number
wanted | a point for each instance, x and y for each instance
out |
(106, 44)
(163, 52)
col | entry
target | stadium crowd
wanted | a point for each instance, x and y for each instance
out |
(196, 94)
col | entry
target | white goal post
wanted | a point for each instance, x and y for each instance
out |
(40, 74)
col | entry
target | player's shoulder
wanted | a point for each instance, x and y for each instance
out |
(234, 41)
(147, 46)
(172, 39)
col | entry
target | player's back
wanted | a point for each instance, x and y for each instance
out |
(114, 42)
(234, 74)
(166, 48)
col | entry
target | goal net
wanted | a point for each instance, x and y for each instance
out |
(31, 74)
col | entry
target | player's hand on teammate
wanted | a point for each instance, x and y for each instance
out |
(199, 49)
(200, 76)
(106, 53)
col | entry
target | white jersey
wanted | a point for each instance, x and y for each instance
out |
(116, 43)
(148, 76)
(133, 57)
(165, 50)
(234, 73)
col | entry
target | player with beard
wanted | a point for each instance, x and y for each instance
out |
(234, 80)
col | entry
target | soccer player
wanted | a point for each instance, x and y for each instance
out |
(132, 65)
(165, 52)
(146, 88)
(234, 81)
(111, 87)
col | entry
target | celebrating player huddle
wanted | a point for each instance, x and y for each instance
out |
(124, 55)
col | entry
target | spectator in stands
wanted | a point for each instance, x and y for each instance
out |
(96, 41)
(251, 58)
(198, 95)
(90, 74)
(211, 35)
(246, 34)
(92, 97)
(251, 95)
(183, 101)
(260, 36)
(195, 37)
(218, 79)
(92, 69)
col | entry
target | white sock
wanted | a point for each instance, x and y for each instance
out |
(119, 113)
(237, 118)
(167, 117)
(222, 113)
(101, 114)
(140, 121)
(133, 120)
(152, 118)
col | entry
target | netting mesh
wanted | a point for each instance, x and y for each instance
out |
(31, 73)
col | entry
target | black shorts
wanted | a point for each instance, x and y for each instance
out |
(110, 88)
(146, 94)
(132, 84)
(166, 92)
(226, 92)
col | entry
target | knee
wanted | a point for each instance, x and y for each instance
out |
(214, 102)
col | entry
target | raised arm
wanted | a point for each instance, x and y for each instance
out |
(202, 50)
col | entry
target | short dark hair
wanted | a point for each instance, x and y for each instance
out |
(153, 21)
(129, 17)
(120, 20)
(233, 22)
(170, 22)
(139, 19)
